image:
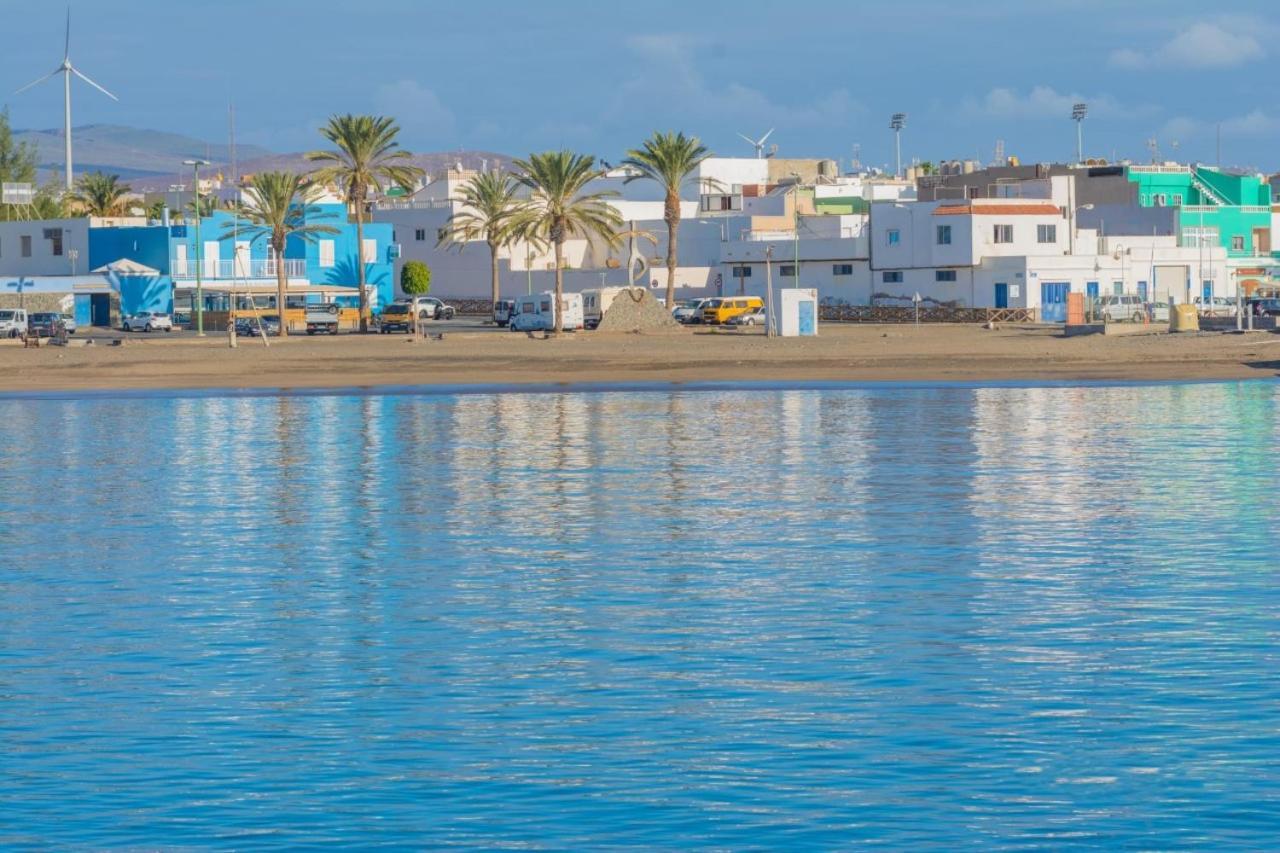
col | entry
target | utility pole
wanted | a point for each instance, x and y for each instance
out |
(768, 291)
(195, 166)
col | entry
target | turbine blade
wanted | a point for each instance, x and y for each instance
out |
(66, 53)
(749, 140)
(766, 136)
(52, 73)
(93, 84)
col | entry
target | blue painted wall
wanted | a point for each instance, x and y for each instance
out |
(144, 293)
(146, 244)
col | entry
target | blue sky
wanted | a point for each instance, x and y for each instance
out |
(519, 76)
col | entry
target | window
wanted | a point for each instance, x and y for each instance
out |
(370, 251)
(944, 235)
(787, 270)
(742, 272)
(1046, 233)
(1002, 234)
(891, 276)
(1117, 287)
(54, 236)
(944, 275)
(892, 237)
(26, 245)
(1159, 199)
(1237, 242)
(842, 269)
(1177, 199)
(420, 234)
(326, 253)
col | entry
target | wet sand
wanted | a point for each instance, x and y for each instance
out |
(841, 353)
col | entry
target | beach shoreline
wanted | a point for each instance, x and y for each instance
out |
(843, 353)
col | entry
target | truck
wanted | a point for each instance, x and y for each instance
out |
(322, 317)
(13, 322)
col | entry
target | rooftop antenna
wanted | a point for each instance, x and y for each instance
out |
(857, 158)
(999, 159)
(897, 121)
(758, 144)
(1154, 147)
(66, 69)
(1078, 112)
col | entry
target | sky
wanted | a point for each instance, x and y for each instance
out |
(598, 77)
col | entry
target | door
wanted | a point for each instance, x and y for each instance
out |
(180, 267)
(1053, 301)
(1206, 294)
(211, 252)
(808, 316)
(1261, 241)
(1002, 294)
(84, 309)
(100, 309)
(1091, 295)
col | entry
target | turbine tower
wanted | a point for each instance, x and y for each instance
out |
(66, 69)
(758, 144)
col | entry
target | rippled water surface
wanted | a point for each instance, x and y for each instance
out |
(958, 617)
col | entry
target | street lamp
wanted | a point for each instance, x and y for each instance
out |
(896, 122)
(1078, 112)
(195, 167)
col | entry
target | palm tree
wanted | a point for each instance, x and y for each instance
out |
(277, 207)
(367, 158)
(669, 159)
(559, 207)
(100, 194)
(489, 205)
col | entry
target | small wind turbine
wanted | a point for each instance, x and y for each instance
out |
(66, 69)
(758, 144)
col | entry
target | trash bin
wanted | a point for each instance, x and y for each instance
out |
(1184, 318)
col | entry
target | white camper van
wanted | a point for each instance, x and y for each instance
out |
(597, 301)
(533, 313)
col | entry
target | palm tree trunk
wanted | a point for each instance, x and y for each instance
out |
(364, 297)
(281, 285)
(559, 325)
(673, 230)
(493, 271)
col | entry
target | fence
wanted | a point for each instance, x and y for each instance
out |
(885, 314)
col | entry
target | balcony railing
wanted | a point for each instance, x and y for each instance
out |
(255, 268)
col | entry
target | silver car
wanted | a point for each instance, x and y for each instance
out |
(147, 321)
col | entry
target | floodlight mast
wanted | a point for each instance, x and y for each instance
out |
(896, 122)
(1078, 112)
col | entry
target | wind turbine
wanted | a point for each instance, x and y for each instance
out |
(758, 144)
(66, 69)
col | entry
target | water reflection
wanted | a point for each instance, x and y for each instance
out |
(1001, 616)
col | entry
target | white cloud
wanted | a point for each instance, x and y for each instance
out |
(1040, 102)
(423, 118)
(667, 83)
(1226, 44)
(1255, 123)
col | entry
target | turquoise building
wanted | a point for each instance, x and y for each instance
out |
(1233, 211)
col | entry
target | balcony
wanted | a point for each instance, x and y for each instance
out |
(183, 269)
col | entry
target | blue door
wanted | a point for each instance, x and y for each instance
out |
(100, 309)
(84, 314)
(1053, 301)
(807, 312)
(1207, 292)
(1002, 295)
(1091, 290)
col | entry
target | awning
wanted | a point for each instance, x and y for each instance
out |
(124, 266)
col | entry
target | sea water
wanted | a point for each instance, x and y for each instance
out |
(895, 616)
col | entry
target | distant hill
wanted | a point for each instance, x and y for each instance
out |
(127, 151)
(151, 160)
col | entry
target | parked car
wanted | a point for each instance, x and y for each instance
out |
(69, 323)
(147, 321)
(722, 309)
(13, 322)
(44, 324)
(689, 311)
(502, 311)
(1121, 308)
(251, 327)
(396, 317)
(1159, 312)
(1264, 307)
(754, 317)
(436, 310)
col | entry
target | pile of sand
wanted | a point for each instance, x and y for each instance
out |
(636, 310)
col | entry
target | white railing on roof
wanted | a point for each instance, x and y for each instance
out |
(426, 204)
(1161, 170)
(185, 268)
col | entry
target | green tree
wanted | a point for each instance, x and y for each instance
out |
(668, 159)
(17, 159)
(50, 201)
(415, 278)
(278, 207)
(100, 194)
(489, 204)
(367, 157)
(155, 210)
(202, 206)
(559, 207)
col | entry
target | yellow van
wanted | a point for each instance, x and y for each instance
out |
(719, 310)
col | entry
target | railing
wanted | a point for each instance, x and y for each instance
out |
(935, 314)
(1161, 170)
(427, 204)
(255, 268)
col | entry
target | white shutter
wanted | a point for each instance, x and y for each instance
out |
(326, 253)
(370, 251)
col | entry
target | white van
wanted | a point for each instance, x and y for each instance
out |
(596, 301)
(533, 313)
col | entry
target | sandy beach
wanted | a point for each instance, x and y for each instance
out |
(849, 353)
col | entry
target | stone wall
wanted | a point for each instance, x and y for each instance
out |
(33, 302)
